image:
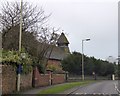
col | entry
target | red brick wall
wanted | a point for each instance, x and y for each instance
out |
(58, 78)
(26, 81)
(55, 63)
(44, 79)
(1, 77)
(40, 79)
(8, 79)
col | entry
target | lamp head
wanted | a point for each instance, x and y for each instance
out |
(87, 39)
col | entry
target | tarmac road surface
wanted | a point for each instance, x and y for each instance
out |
(106, 88)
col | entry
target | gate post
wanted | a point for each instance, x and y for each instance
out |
(50, 76)
(35, 77)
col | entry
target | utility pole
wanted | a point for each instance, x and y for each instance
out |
(20, 34)
(20, 39)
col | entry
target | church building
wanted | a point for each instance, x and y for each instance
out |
(59, 52)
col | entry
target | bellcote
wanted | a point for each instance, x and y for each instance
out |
(62, 41)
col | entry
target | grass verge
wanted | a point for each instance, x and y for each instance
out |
(61, 88)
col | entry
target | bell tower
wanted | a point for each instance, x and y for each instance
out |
(63, 43)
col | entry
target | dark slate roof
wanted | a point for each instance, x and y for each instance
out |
(62, 39)
(57, 53)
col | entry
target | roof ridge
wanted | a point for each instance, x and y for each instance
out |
(62, 39)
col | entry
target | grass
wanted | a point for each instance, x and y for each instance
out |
(61, 88)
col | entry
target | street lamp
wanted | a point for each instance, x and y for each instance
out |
(83, 58)
(20, 34)
(20, 39)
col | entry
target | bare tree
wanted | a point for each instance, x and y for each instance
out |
(36, 39)
(32, 19)
(45, 48)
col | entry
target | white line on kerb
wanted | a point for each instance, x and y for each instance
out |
(116, 88)
(81, 93)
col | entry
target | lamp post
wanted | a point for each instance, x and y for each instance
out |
(20, 34)
(20, 38)
(83, 58)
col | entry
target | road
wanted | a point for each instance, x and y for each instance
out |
(104, 87)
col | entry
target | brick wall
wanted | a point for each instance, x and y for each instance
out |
(26, 81)
(8, 79)
(58, 78)
(0, 79)
(45, 79)
(35, 79)
(40, 79)
(55, 63)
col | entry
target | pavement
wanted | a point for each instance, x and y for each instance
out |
(38, 89)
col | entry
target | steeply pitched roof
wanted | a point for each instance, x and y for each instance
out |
(62, 39)
(57, 53)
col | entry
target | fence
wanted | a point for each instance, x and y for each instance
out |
(87, 77)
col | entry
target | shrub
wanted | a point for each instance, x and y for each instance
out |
(14, 58)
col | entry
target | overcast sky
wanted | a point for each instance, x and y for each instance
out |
(80, 19)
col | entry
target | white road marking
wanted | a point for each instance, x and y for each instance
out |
(81, 93)
(116, 88)
(94, 93)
